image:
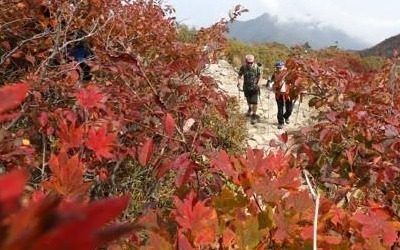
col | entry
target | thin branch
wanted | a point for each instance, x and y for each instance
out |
(42, 170)
(113, 175)
(20, 44)
(178, 130)
(257, 202)
(94, 30)
(3, 26)
(315, 195)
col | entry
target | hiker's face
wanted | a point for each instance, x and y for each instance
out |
(249, 64)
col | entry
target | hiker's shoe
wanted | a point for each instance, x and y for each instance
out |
(287, 121)
(253, 119)
(280, 126)
(248, 113)
(258, 117)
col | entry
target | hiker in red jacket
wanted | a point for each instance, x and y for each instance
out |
(281, 88)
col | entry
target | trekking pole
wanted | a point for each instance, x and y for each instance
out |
(298, 109)
(261, 104)
(259, 98)
(269, 92)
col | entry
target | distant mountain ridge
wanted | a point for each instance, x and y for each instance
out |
(384, 48)
(267, 28)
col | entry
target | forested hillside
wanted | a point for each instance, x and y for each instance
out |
(113, 137)
(267, 29)
(386, 48)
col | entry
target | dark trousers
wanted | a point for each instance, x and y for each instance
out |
(285, 107)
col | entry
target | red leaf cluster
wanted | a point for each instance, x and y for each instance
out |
(47, 225)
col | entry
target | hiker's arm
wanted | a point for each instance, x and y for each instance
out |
(259, 79)
(238, 81)
(240, 73)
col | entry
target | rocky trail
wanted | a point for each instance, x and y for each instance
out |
(266, 129)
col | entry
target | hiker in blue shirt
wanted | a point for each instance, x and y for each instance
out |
(81, 52)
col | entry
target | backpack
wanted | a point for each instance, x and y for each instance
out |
(250, 77)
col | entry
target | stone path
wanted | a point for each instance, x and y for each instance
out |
(266, 129)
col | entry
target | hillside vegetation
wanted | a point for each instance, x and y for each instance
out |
(112, 137)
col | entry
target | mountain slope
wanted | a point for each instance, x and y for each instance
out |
(384, 48)
(266, 28)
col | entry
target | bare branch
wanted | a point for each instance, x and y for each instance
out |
(20, 44)
(315, 195)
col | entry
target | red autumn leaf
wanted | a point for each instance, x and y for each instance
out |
(332, 240)
(169, 124)
(12, 185)
(228, 237)
(183, 242)
(30, 58)
(67, 178)
(70, 135)
(256, 160)
(301, 203)
(375, 224)
(11, 96)
(86, 225)
(28, 223)
(308, 151)
(284, 137)
(350, 154)
(91, 97)
(289, 179)
(269, 190)
(184, 167)
(101, 142)
(307, 232)
(282, 227)
(222, 162)
(8, 117)
(38, 196)
(43, 119)
(191, 216)
(277, 161)
(157, 241)
(145, 152)
(30, 227)
(338, 215)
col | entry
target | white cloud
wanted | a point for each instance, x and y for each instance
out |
(368, 20)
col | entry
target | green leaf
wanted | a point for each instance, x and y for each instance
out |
(266, 218)
(247, 231)
(227, 202)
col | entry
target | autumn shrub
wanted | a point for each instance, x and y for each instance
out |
(374, 62)
(146, 190)
(230, 133)
(150, 124)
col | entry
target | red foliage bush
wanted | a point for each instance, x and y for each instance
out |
(73, 133)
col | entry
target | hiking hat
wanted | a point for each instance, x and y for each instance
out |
(249, 58)
(279, 64)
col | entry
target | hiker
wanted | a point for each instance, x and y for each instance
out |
(80, 51)
(281, 88)
(251, 77)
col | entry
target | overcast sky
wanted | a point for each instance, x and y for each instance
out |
(369, 20)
